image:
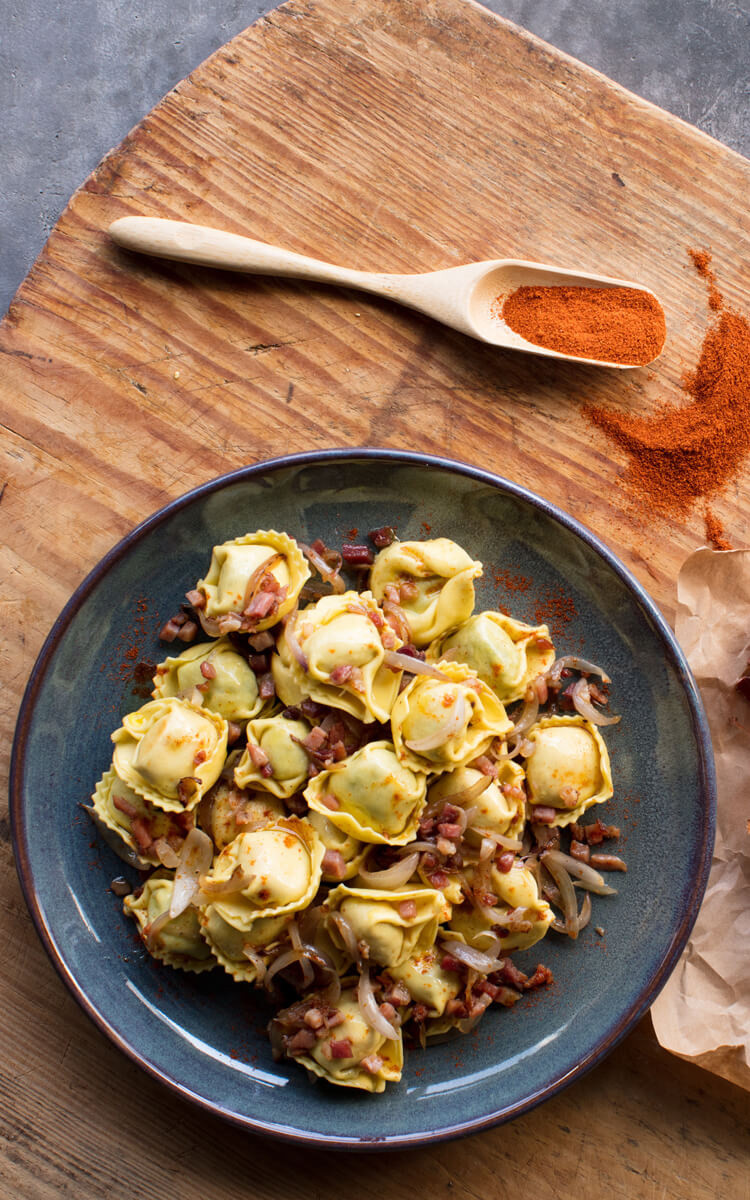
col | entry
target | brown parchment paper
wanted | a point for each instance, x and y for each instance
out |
(703, 1013)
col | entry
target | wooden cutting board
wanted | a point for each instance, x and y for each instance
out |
(385, 135)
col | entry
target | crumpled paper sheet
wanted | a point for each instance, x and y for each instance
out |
(703, 1013)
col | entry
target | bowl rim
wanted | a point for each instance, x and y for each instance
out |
(395, 457)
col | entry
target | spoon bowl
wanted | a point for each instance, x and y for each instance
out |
(468, 298)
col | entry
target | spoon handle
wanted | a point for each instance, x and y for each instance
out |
(183, 242)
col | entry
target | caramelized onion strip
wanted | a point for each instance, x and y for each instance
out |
(371, 1013)
(392, 877)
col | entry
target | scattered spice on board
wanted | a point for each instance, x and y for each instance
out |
(613, 324)
(685, 452)
(702, 260)
(715, 532)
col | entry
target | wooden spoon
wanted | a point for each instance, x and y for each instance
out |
(468, 298)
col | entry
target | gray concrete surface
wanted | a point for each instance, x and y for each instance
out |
(75, 77)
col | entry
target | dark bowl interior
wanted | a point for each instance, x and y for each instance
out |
(203, 1035)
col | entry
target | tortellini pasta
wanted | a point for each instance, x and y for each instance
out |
(176, 941)
(345, 852)
(435, 580)
(279, 741)
(337, 803)
(339, 658)
(569, 769)
(439, 724)
(394, 925)
(227, 810)
(522, 916)
(140, 825)
(212, 675)
(506, 654)
(234, 583)
(499, 808)
(243, 951)
(427, 981)
(371, 795)
(385, 1055)
(278, 870)
(170, 752)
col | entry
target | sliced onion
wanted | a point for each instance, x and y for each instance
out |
(581, 699)
(470, 957)
(196, 857)
(493, 916)
(488, 849)
(237, 882)
(347, 934)
(420, 847)
(368, 1006)
(528, 714)
(164, 852)
(115, 842)
(330, 574)
(308, 975)
(568, 901)
(392, 877)
(320, 959)
(262, 569)
(286, 959)
(257, 961)
(519, 745)
(517, 920)
(154, 928)
(590, 878)
(291, 640)
(415, 666)
(498, 838)
(582, 919)
(533, 865)
(493, 946)
(210, 625)
(573, 663)
(468, 795)
(229, 622)
(454, 722)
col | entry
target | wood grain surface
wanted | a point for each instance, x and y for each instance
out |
(385, 135)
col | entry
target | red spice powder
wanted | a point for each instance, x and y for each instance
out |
(128, 661)
(512, 581)
(556, 609)
(702, 261)
(684, 452)
(615, 324)
(715, 532)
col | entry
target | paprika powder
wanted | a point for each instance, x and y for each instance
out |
(614, 324)
(684, 452)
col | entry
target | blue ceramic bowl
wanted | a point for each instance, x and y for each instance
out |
(203, 1035)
